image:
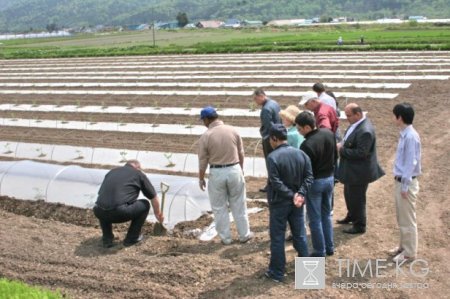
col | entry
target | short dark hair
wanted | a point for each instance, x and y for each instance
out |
(258, 92)
(318, 87)
(305, 119)
(356, 109)
(405, 111)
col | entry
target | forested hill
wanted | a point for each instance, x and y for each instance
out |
(37, 14)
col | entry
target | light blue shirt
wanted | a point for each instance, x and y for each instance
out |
(294, 138)
(408, 157)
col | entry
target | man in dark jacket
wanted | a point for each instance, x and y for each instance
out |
(270, 114)
(358, 166)
(117, 202)
(320, 146)
(290, 176)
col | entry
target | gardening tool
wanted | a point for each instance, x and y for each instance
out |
(159, 229)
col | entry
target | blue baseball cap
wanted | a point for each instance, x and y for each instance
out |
(208, 112)
(279, 131)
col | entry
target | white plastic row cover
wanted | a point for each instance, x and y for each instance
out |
(247, 93)
(70, 76)
(132, 110)
(203, 84)
(221, 66)
(78, 186)
(70, 63)
(167, 161)
(309, 72)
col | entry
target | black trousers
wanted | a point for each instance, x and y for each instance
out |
(355, 199)
(137, 212)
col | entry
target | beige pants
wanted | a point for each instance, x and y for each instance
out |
(406, 217)
(226, 190)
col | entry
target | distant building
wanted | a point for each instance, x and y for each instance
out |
(209, 24)
(167, 25)
(138, 27)
(292, 22)
(416, 18)
(232, 23)
(247, 23)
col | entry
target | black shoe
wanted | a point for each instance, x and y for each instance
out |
(269, 275)
(263, 190)
(127, 243)
(108, 244)
(330, 253)
(344, 221)
(354, 230)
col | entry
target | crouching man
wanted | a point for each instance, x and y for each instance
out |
(117, 202)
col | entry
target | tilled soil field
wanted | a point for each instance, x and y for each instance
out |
(59, 247)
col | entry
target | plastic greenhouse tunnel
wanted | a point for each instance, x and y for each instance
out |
(77, 186)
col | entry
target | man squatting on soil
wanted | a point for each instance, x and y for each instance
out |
(117, 202)
(221, 147)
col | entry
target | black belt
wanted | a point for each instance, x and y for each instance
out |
(222, 166)
(399, 178)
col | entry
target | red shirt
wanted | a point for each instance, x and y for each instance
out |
(326, 117)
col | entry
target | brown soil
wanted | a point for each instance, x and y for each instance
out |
(59, 247)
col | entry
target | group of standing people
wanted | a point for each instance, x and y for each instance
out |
(305, 155)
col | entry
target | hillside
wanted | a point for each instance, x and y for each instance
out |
(37, 14)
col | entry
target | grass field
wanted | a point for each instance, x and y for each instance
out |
(18, 290)
(410, 36)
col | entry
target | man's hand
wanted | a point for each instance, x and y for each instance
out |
(339, 145)
(159, 216)
(202, 184)
(404, 194)
(299, 200)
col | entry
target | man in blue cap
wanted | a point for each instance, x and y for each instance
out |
(221, 147)
(290, 176)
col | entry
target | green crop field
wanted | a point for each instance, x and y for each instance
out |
(409, 36)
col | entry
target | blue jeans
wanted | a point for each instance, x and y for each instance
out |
(279, 216)
(318, 207)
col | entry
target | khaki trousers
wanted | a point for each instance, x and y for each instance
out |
(226, 190)
(406, 217)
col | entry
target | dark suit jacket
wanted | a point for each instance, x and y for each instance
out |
(358, 164)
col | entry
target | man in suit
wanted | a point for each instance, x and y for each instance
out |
(358, 167)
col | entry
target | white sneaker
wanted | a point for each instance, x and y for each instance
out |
(250, 236)
(401, 258)
(395, 251)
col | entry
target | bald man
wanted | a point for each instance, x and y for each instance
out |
(358, 167)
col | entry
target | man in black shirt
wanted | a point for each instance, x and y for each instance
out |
(117, 202)
(320, 146)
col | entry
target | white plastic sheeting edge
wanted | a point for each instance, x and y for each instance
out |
(63, 76)
(78, 186)
(131, 110)
(173, 162)
(312, 72)
(249, 60)
(172, 129)
(249, 65)
(247, 93)
(203, 84)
